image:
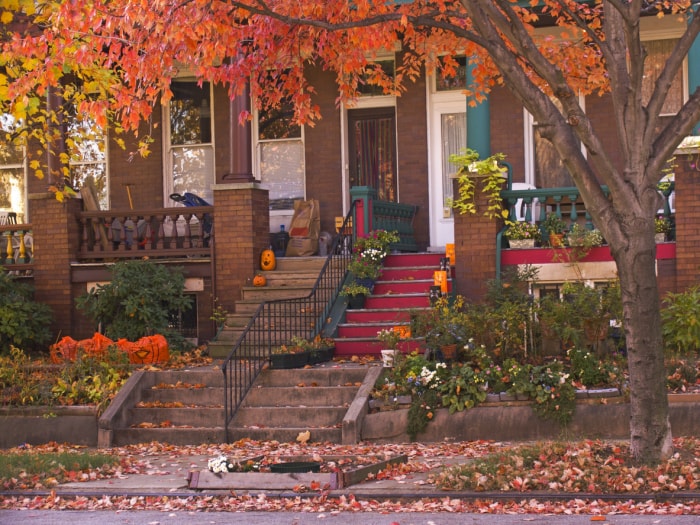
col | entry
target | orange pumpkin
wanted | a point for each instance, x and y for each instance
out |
(259, 280)
(150, 349)
(267, 260)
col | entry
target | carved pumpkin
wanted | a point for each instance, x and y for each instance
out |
(259, 280)
(267, 260)
(150, 349)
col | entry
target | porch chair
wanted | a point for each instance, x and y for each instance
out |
(521, 206)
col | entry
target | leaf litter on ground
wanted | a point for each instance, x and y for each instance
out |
(527, 472)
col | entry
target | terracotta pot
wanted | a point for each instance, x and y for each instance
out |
(449, 352)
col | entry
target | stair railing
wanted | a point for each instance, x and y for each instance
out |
(275, 322)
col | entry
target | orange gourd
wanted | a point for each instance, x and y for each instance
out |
(259, 280)
(267, 260)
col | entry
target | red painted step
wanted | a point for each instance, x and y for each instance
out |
(403, 288)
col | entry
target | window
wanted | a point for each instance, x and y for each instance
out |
(658, 52)
(280, 149)
(454, 137)
(12, 174)
(86, 144)
(190, 140)
(366, 89)
(444, 82)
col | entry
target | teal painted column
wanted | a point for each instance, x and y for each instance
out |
(478, 123)
(694, 68)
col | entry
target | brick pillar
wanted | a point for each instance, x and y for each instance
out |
(687, 220)
(475, 248)
(56, 239)
(242, 232)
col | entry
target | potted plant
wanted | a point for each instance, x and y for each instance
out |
(555, 228)
(583, 237)
(290, 355)
(356, 294)
(491, 175)
(662, 227)
(390, 338)
(369, 252)
(522, 234)
(443, 326)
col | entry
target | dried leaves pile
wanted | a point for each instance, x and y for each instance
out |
(585, 468)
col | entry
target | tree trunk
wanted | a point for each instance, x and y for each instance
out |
(650, 429)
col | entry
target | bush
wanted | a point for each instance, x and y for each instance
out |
(679, 317)
(23, 322)
(137, 301)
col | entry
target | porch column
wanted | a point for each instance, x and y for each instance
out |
(687, 188)
(478, 122)
(56, 240)
(241, 233)
(694, 68)
(475, 248)
(363, 221)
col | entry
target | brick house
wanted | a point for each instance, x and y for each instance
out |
(251, 176)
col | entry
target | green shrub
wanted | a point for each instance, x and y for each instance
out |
(23, 321)
(680, 315)
(137, 301)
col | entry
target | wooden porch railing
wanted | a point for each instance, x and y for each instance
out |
(372, 214)
(17, 249)
(533, 205)
(154, 233)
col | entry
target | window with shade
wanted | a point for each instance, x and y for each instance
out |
(280, 149)
(12, 174)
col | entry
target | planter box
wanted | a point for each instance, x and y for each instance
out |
(38, 425)
(286, 361)
(321, 356)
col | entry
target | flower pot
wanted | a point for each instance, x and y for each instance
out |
(356, 302)
(449, 352)
(286, 361)
(556, 240)
(660, 237)
(521, 243)
(388, 355)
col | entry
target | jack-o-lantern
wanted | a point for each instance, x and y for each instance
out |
(267, 260)
(150, 349)
(259, 280)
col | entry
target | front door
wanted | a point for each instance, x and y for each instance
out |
(448, 135)
(372, 150)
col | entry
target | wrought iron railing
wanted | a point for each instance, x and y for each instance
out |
(276, 322)
(160, 232)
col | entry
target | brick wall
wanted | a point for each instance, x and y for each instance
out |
(687, 221)
(475, 250)
(242, 225)
(324, 172)
(412, 140)
(56, 235)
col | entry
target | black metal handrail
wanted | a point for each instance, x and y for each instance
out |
(275, 322)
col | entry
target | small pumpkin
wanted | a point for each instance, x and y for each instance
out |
(267, 260)
(259, 280)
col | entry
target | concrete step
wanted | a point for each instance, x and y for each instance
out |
(289, 416)
(173, 436)
(306, 395)
(320, 376)
(269, 293)
(191, 396)
(286, 435)
(204, 417)
(208, 376)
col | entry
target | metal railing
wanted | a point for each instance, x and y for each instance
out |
(275, 322)
(159, 232)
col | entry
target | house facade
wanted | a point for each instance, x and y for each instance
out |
(251, 175)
